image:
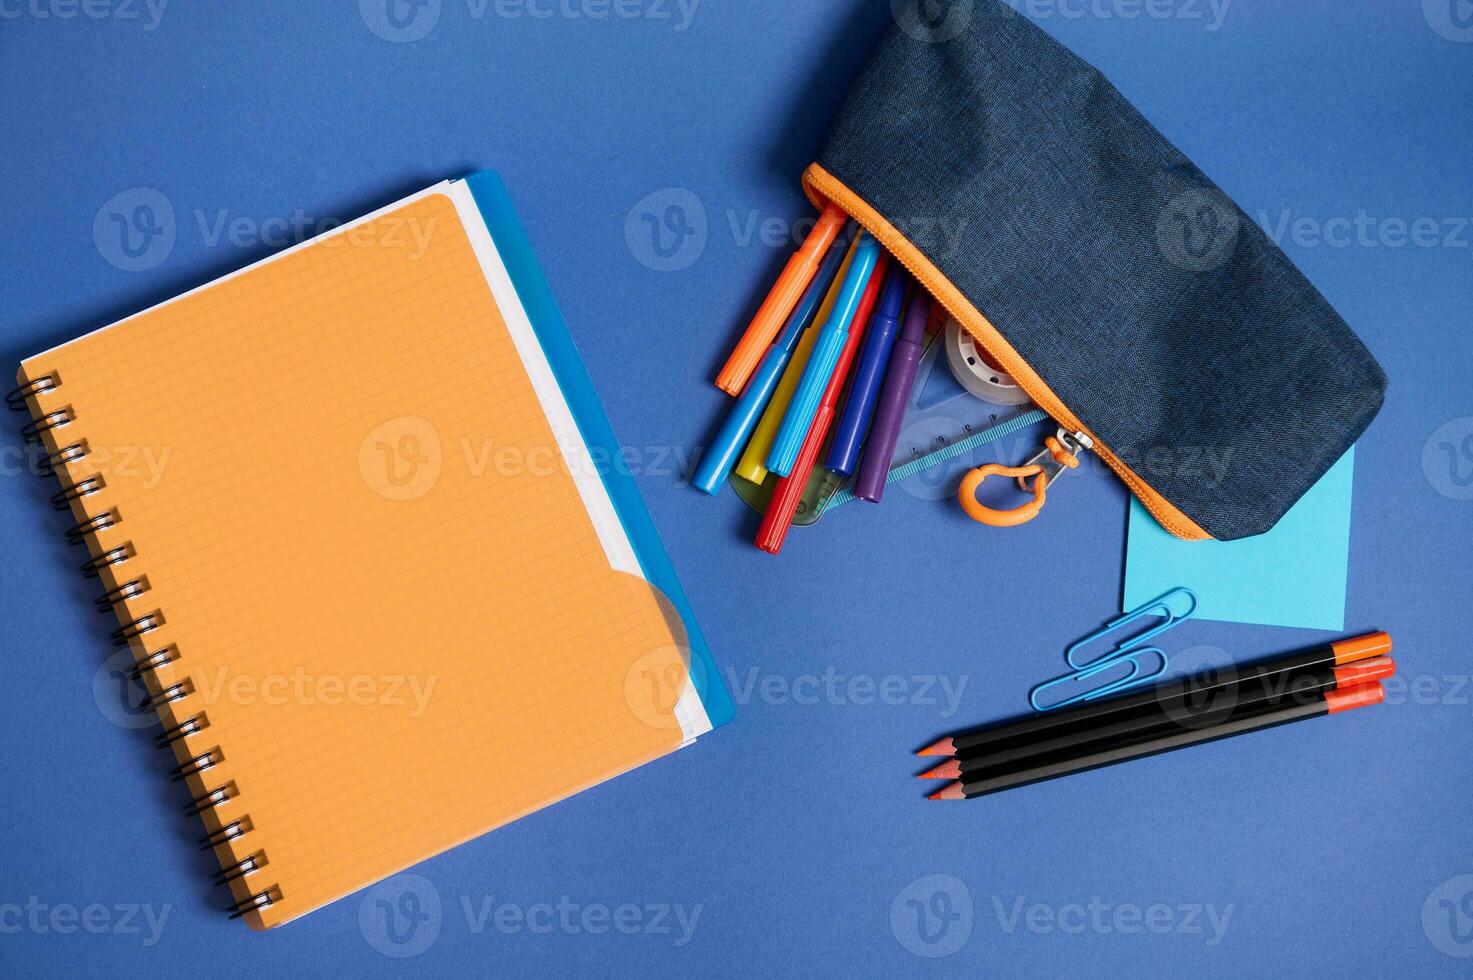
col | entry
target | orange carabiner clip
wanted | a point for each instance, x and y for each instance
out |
(1003, 518)
(1060, 452)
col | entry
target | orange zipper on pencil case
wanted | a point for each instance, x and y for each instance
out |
(822, 188)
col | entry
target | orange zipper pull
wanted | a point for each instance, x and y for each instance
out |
(1060, 452)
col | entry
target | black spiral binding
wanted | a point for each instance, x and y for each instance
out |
(137, 630)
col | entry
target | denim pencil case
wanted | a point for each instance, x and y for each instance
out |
(1130, 298)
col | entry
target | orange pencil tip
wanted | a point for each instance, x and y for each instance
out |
(943, 747)
(951, 769)
(952, 792)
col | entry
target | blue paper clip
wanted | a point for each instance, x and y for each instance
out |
(1130, 652)
(1136, 676)
(1160, 606)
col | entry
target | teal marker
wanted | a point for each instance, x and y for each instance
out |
(825, 357)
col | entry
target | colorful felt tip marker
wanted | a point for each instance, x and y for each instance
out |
(716, 464)
(789, 493)
(831, 341)
(753, 464)
(779, 304)
(884, 432)
(879, 340)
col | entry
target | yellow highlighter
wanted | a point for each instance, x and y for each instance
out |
(752, 465)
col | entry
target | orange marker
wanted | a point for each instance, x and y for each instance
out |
(779, 304)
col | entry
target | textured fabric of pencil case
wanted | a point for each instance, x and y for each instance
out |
(1100, 268)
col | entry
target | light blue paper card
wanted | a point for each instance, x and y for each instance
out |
(1292, 576)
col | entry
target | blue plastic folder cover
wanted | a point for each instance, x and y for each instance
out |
(552, 333)
(1294, 575)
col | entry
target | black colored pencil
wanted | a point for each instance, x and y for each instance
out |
(1165, 696)
(1067, 763)
(1118, 729)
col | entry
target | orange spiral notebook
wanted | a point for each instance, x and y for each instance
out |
(383, 588)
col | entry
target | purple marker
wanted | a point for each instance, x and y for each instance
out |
(864, 388)
(890, 410)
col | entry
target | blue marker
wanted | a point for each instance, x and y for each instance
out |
(722, 455)
(825, 358)
(844, 454)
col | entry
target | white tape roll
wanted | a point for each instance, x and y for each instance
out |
(974, 372)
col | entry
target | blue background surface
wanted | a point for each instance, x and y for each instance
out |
(798, 829)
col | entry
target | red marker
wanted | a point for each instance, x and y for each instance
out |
(784, 505)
